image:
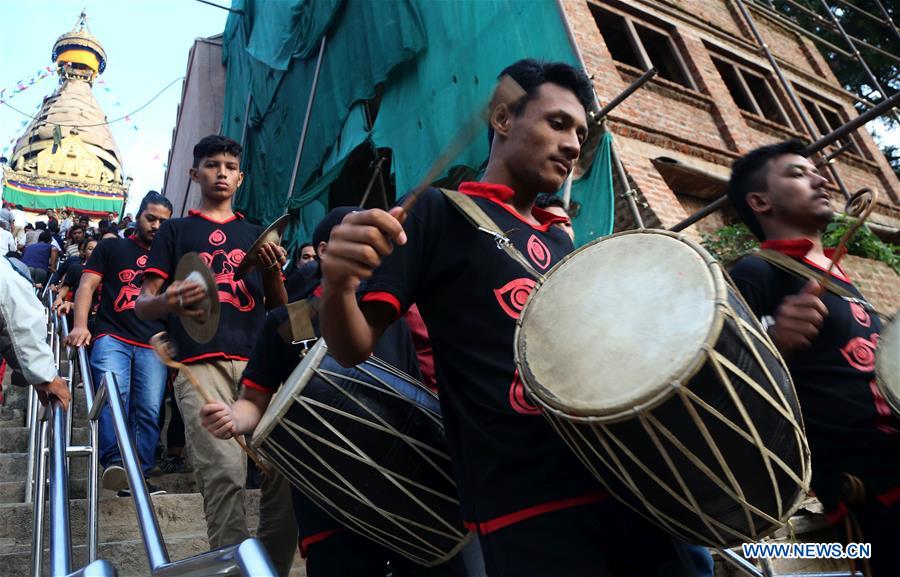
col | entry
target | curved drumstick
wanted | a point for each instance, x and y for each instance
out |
(507, 92)
(164, 350)
(860, 205)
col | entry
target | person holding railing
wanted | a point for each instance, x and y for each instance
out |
(22, 337)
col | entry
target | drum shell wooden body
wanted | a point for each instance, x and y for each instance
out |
(367, 445)
(714, 451)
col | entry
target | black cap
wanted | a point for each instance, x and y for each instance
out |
(331, 220)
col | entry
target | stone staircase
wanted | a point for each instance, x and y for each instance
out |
(179, 511)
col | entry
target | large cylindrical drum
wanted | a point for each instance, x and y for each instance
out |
(645, 358)
(367, 445)
(887, 364)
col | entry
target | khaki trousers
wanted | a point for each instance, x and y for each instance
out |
(220, 468)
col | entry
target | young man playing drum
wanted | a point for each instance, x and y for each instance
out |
(221, 237)
(829, 339)
(535, 507)
(330, 549)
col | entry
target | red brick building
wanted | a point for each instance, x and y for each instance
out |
(715, 98)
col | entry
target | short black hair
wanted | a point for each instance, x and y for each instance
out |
(83, 244)
(75, 227)
(546, 200)
(154, 197)
(748, 174)
(215, 144)
(530, 74)
(41, 225)
(45, 237)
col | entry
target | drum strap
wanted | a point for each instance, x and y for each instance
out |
(790, 265)
(298, 328)
(485, 224)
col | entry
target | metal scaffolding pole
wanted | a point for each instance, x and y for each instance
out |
(813, 148)
(629, 194)
(887, 16)
(788, 89)
(306, 120)
(859, 58)
(825, 22)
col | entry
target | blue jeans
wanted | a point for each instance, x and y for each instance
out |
(141, 379)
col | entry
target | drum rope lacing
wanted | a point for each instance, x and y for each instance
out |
(407, 536)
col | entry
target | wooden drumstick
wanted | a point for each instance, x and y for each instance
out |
(507, 92)
(162, 346)
(860, 205)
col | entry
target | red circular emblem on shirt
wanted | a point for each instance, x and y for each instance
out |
(538, 252)
(217, 237)
(513, 295)
(127, 275)
(860, 353)
(860, 314)
(142, 261)
(236, 256)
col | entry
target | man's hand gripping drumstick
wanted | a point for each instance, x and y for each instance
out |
(209, 417)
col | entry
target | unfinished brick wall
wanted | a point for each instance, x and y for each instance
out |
(876, 280)
(705, 127)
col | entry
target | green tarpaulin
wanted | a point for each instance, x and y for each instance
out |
(594, 194)
(434, 63)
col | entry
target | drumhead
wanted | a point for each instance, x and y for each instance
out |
(887, 364)
(292, 387)
(616, 322)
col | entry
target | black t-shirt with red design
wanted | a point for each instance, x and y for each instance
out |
(222, 246)
(849, 424)
(507, 459)
(120, 263)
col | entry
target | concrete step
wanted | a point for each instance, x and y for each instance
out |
(176, 513)
(13, 466)
(179, 483)
(10, 417)
(15, 439)
(127, 556)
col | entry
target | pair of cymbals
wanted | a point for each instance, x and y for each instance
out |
(192, 268)
(273, 233)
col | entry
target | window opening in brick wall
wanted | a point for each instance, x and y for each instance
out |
(751, 91)
(615, 33)
(663, 55)
(827, 119)
(641, 45)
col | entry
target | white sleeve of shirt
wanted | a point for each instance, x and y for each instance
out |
(22, 328)
(7, 241)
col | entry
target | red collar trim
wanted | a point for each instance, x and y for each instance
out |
(798, 248)
(134, 238)
(501, 194)
(236, 216)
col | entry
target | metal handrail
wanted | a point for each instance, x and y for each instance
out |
(248, 558)
(54, 433)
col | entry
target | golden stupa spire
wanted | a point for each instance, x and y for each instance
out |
(67, 156)
(78, 54)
